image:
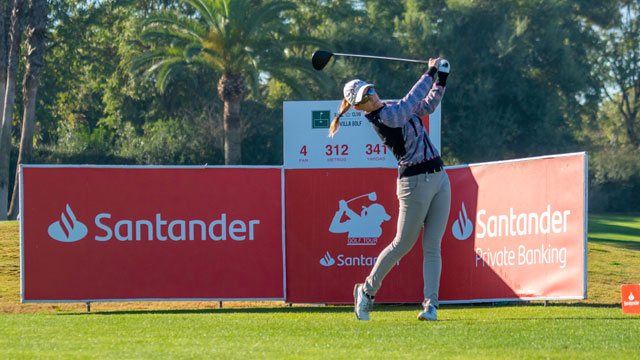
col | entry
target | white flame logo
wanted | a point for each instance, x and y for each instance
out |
(65, 230)
(462, 227)
(631, 297)
(327, 260)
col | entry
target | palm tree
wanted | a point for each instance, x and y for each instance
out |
(36, 32)
(241, 40)
(13, 61)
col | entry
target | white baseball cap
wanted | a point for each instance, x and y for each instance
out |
(355, 89)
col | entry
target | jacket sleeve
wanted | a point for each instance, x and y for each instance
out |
(431, 101)
(397, 113)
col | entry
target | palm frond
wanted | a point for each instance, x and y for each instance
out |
(215, 58)
(192, 50)
(216, 42)
(141, 62)
(168, 71)
(205, 62)
(230, 36)
(165, 36)
(176, 22)
(208, 9)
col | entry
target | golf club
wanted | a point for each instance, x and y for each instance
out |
(372, 197)
(321, 58)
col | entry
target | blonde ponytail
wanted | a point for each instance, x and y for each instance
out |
(335, 124)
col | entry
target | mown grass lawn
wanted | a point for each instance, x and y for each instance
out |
(532, 331)
(591, 328)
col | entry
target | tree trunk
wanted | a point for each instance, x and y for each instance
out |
(5, 132)
(232, 133)
(5, 21)
(35, 54)
(232, 89)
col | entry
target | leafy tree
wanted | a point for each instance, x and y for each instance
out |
(519, 69)
(239, 39)
(619, 68)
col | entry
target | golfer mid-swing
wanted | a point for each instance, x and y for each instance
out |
(423, 187)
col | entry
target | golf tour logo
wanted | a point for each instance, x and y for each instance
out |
(68, 228)
(364, 228)
(463, 227)
(327, 260)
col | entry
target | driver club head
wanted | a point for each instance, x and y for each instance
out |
(320, 59)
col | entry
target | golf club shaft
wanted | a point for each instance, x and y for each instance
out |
(357, 197)
(383, 58)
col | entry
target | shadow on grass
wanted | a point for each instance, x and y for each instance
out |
(317, 309)
(256, 310)
(625, 244)
(626, 226)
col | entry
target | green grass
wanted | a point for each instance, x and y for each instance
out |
(591, 328)
(620, 231)
(558, 332)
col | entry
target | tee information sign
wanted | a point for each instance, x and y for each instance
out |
(356, 145)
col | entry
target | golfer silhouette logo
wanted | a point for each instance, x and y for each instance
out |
(364, 228)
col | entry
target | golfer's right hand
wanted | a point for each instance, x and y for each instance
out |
(343, 205)
(434, 62)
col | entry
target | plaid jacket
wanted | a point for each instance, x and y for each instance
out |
(399, 126)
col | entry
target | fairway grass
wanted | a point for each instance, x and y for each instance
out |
(591, 328)
(479, 332)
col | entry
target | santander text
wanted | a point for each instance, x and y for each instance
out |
(521, 224)
(521, 256)
(162, 229)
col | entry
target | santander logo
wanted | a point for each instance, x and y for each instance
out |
(68, 228)
(327, 260)
(463, 227)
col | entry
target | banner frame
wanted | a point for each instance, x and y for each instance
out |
(585, 225)
(283, 228)
(21, 185)
(585, 228)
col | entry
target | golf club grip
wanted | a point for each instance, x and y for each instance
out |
(384, 58)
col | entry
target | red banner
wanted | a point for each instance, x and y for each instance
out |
(516, 230)
(98, 233)
(328, 250)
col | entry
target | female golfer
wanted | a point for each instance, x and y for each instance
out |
(423, 187)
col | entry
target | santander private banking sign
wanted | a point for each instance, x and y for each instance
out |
(516, 230)
(95, 233)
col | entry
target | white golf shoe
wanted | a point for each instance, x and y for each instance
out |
(362, 303)
(429, 313)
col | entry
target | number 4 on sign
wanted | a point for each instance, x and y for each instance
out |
(303, 151)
